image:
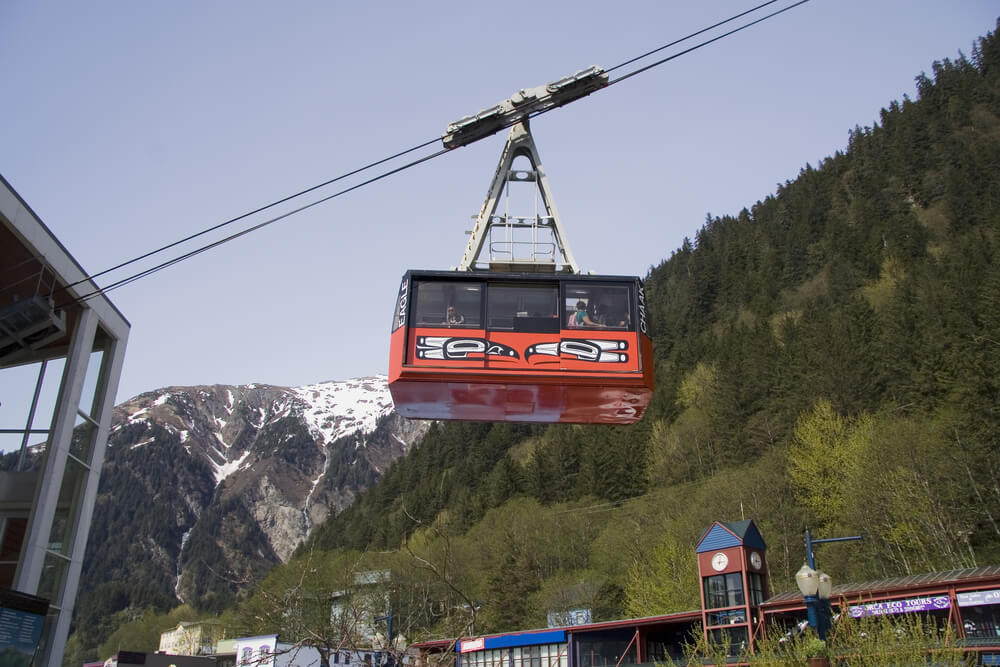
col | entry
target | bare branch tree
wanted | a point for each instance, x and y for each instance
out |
(442, 573)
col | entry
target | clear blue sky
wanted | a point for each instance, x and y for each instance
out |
(127, 125)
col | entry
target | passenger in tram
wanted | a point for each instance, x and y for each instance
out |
(454, 317)
(581, 318)
(595, 309)
(617, 316)
(608, 309)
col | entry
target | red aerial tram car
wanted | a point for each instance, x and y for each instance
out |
(521, 347)
(517, 332)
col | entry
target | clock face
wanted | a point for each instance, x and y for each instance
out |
(755, 560)
(719, 562)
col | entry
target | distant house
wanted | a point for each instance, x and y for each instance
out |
(268, 651)
(192, 638)
(225, 653)
(363, 611)
(137, 659)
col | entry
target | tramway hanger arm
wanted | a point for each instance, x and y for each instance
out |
(522, 104)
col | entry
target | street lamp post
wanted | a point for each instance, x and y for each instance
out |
(816, 586)
(388, 619)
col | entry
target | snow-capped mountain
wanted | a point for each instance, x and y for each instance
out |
(205, 488)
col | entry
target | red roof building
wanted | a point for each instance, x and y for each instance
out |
(736, 611)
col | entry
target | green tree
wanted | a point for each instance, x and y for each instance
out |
(511, 583)
(828, 446)
(665, 582)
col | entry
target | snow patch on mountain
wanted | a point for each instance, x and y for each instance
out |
(338, 409)
(226, 469)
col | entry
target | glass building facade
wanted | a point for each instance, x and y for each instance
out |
(65, 354)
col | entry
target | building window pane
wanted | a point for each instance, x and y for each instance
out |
(734, 589)
(727, 617)
(724, 590)
(981, 624)
(53, 579)
(88, 399)
(81, 443)
(606, 651)
(756, 589)
(14, 529)
(15, 414)
(63, 531)
(715, 592)
(732, 640)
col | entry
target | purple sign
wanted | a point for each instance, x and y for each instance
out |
(977, 598)
(901, 606)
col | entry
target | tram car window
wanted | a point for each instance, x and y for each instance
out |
(448, 304)
(606, 306)
(529, 308)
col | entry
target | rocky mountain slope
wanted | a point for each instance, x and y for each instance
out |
(205, 488)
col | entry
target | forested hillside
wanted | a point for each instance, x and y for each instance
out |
(828, 357)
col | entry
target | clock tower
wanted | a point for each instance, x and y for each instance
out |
(733, 572)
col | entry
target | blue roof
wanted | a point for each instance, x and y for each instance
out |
(723, 535)
(526, 639)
